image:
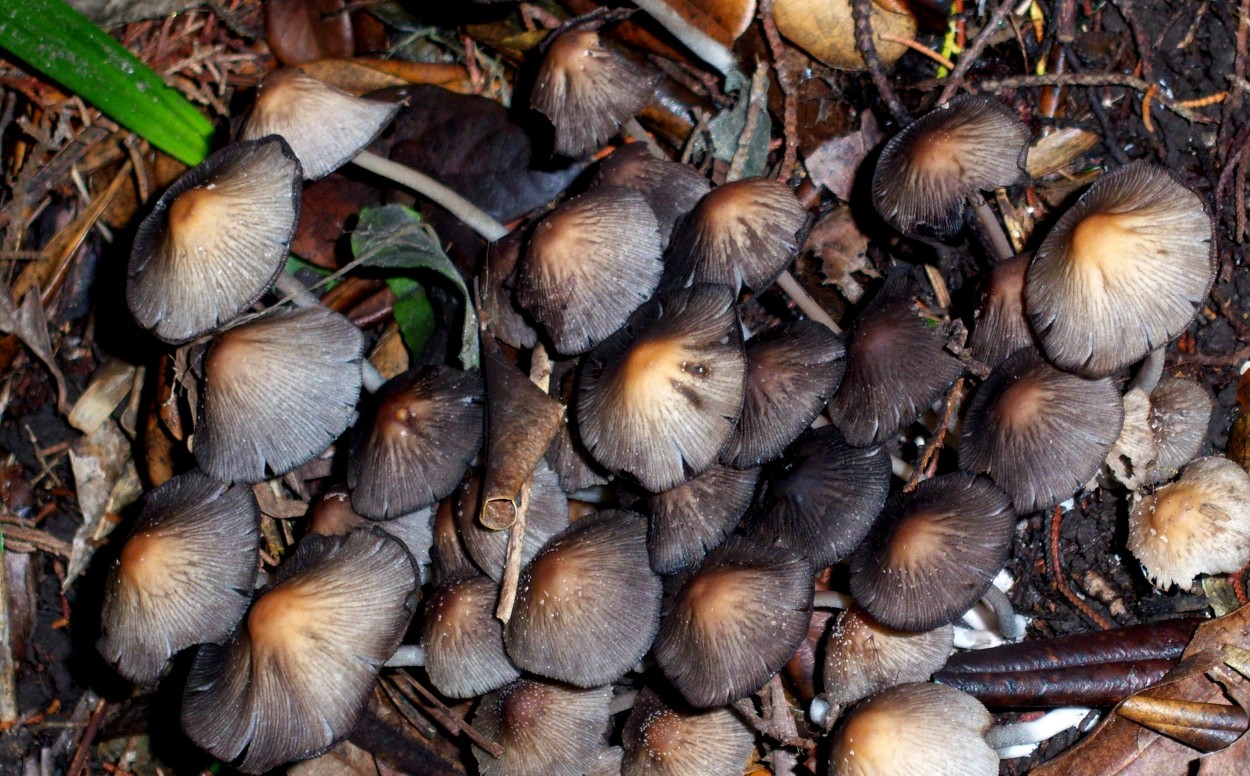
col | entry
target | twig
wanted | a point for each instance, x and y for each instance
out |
(861, 11)
(756, 107)
(700, 44)
(35, 538)
(918, 47)
(790, 113)
(1127, 10)
(973, 52)
(782, 718)
(928, 462)
(443, 715)
(1073, 79)
(8, 688)
(1061, 581)
(79, 763)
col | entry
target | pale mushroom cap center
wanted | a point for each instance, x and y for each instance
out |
(145, 559)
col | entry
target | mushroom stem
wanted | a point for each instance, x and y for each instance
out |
(1011, 626)
(991, 229)
(700, 43)
(1149, 372)
(473, 216)
(623, 701)
(290, 287)
(406, 656)
(1003, 737)
(805, 302)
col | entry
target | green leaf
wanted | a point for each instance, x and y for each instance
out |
(413, 313)
(394, 237)
(65, 46)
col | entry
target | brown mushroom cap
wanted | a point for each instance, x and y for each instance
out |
(735, 622)
(184, 576)
(1180, 411)
(338, 608)
(672, 189)
(792, 371)
(926, 171)
(864, 657)
(660, 740)
(825, 497)
(689, 520)
(463, 640)
(546, 516)
(500, 311)
(934, 552)
(896, 366)
(215, 240)
(1122, 272)
(277, 391)
(609, 762)
(1001, 327)
(659, 399)
(588, 605)
(915, 728)
(1199, 524)
(590, 263)
(742, 233)
(332, 515)
(325, 127)
(588, 91)
(543, 727)
(1039, 433)
(415, 441)
(567, 455)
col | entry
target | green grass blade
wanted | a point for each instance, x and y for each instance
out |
(64, 45)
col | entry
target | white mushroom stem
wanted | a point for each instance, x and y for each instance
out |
(700, 43)
(1149, 371)
(473, 216)
(991, 228)
(407, 656)
(805, 302)
(973, 638)
(290, 287)
(832, 599)
(1019, 739)
(1010, 624)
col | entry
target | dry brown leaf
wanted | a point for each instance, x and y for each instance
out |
(363, 74)
(842, 250)
(390, 356)
(300, 31)
(29, 324)
(106, 482)
(835, 163)
(110, 384)
(826, 30)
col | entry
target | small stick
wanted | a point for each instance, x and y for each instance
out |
(790, 105)
(700, 44)
(758, 106)
(928, 461)
(990, 227)
(861, 11)
(445, 716)
(79, 763)
(782, 719)
(918, 47)
(1061, 582)
(973, 52)
(8, 688)
(636, 131)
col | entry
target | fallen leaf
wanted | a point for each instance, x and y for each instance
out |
(842, 250)
(30, 326)
(106, 482)
(109, 385)
(300, 31)
(362, 75)
(835, 163)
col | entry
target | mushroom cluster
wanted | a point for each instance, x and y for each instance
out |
(633, 498)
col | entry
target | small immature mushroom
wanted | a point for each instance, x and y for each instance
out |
(660, 398)
(588, 91)
(1199, 524)
(1135, 449)
(689, 520)
(415, 440)
(792, 371)
(338, 608)
(743, 233)
(928, 171)
(547, 515)
(660, 740)
(450, 558)
(215, 240)
(734, 622)
(567, 455)
(590, 263)
(1122, 272)
(500, 312)
(332, 515)
(896, 366)
(915, 728)
(933, 553)
(277, 391)
(1180, 411)
(864, 657)
(1039, 433)
(184, 577)
(588, 605)
(825, 497)
(1001, 326)
(543, 728)
(463, 641)
(671, 189)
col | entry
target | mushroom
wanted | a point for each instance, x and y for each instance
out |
(463, 642)
(587, 90)
(415, 440)
(1123, 271)
(1039, 433)
(864, 657)
(734, 621)
(215, 240)
(659, 399)
(567, 455)
(588, 605)
(332, 515)
(915, 728)
(1199, 524)
(590, 263)
(933, 552)
(1001, 327)
(184, 576)
(670, 188)
(337, 608)
(543, 728)
(689, 520)
(546, 516)
(1180, 411)
(500, 313)
(277, 390)
(661, 740)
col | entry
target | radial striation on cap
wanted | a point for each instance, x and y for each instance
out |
(864, 657)
(1122, 273)
(463, 640)
(1180, 412)
(215, 240)
(1039, 433)
(933, 552)
(660, 740)
(689, 520)
(546, 516)
(1001, 326)
(659, 399)
(325, 127)
(671, 189)
(588, 605)
(184, 576)
(337, 609)
(415, 441)
(543, 728)
(277, 391)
